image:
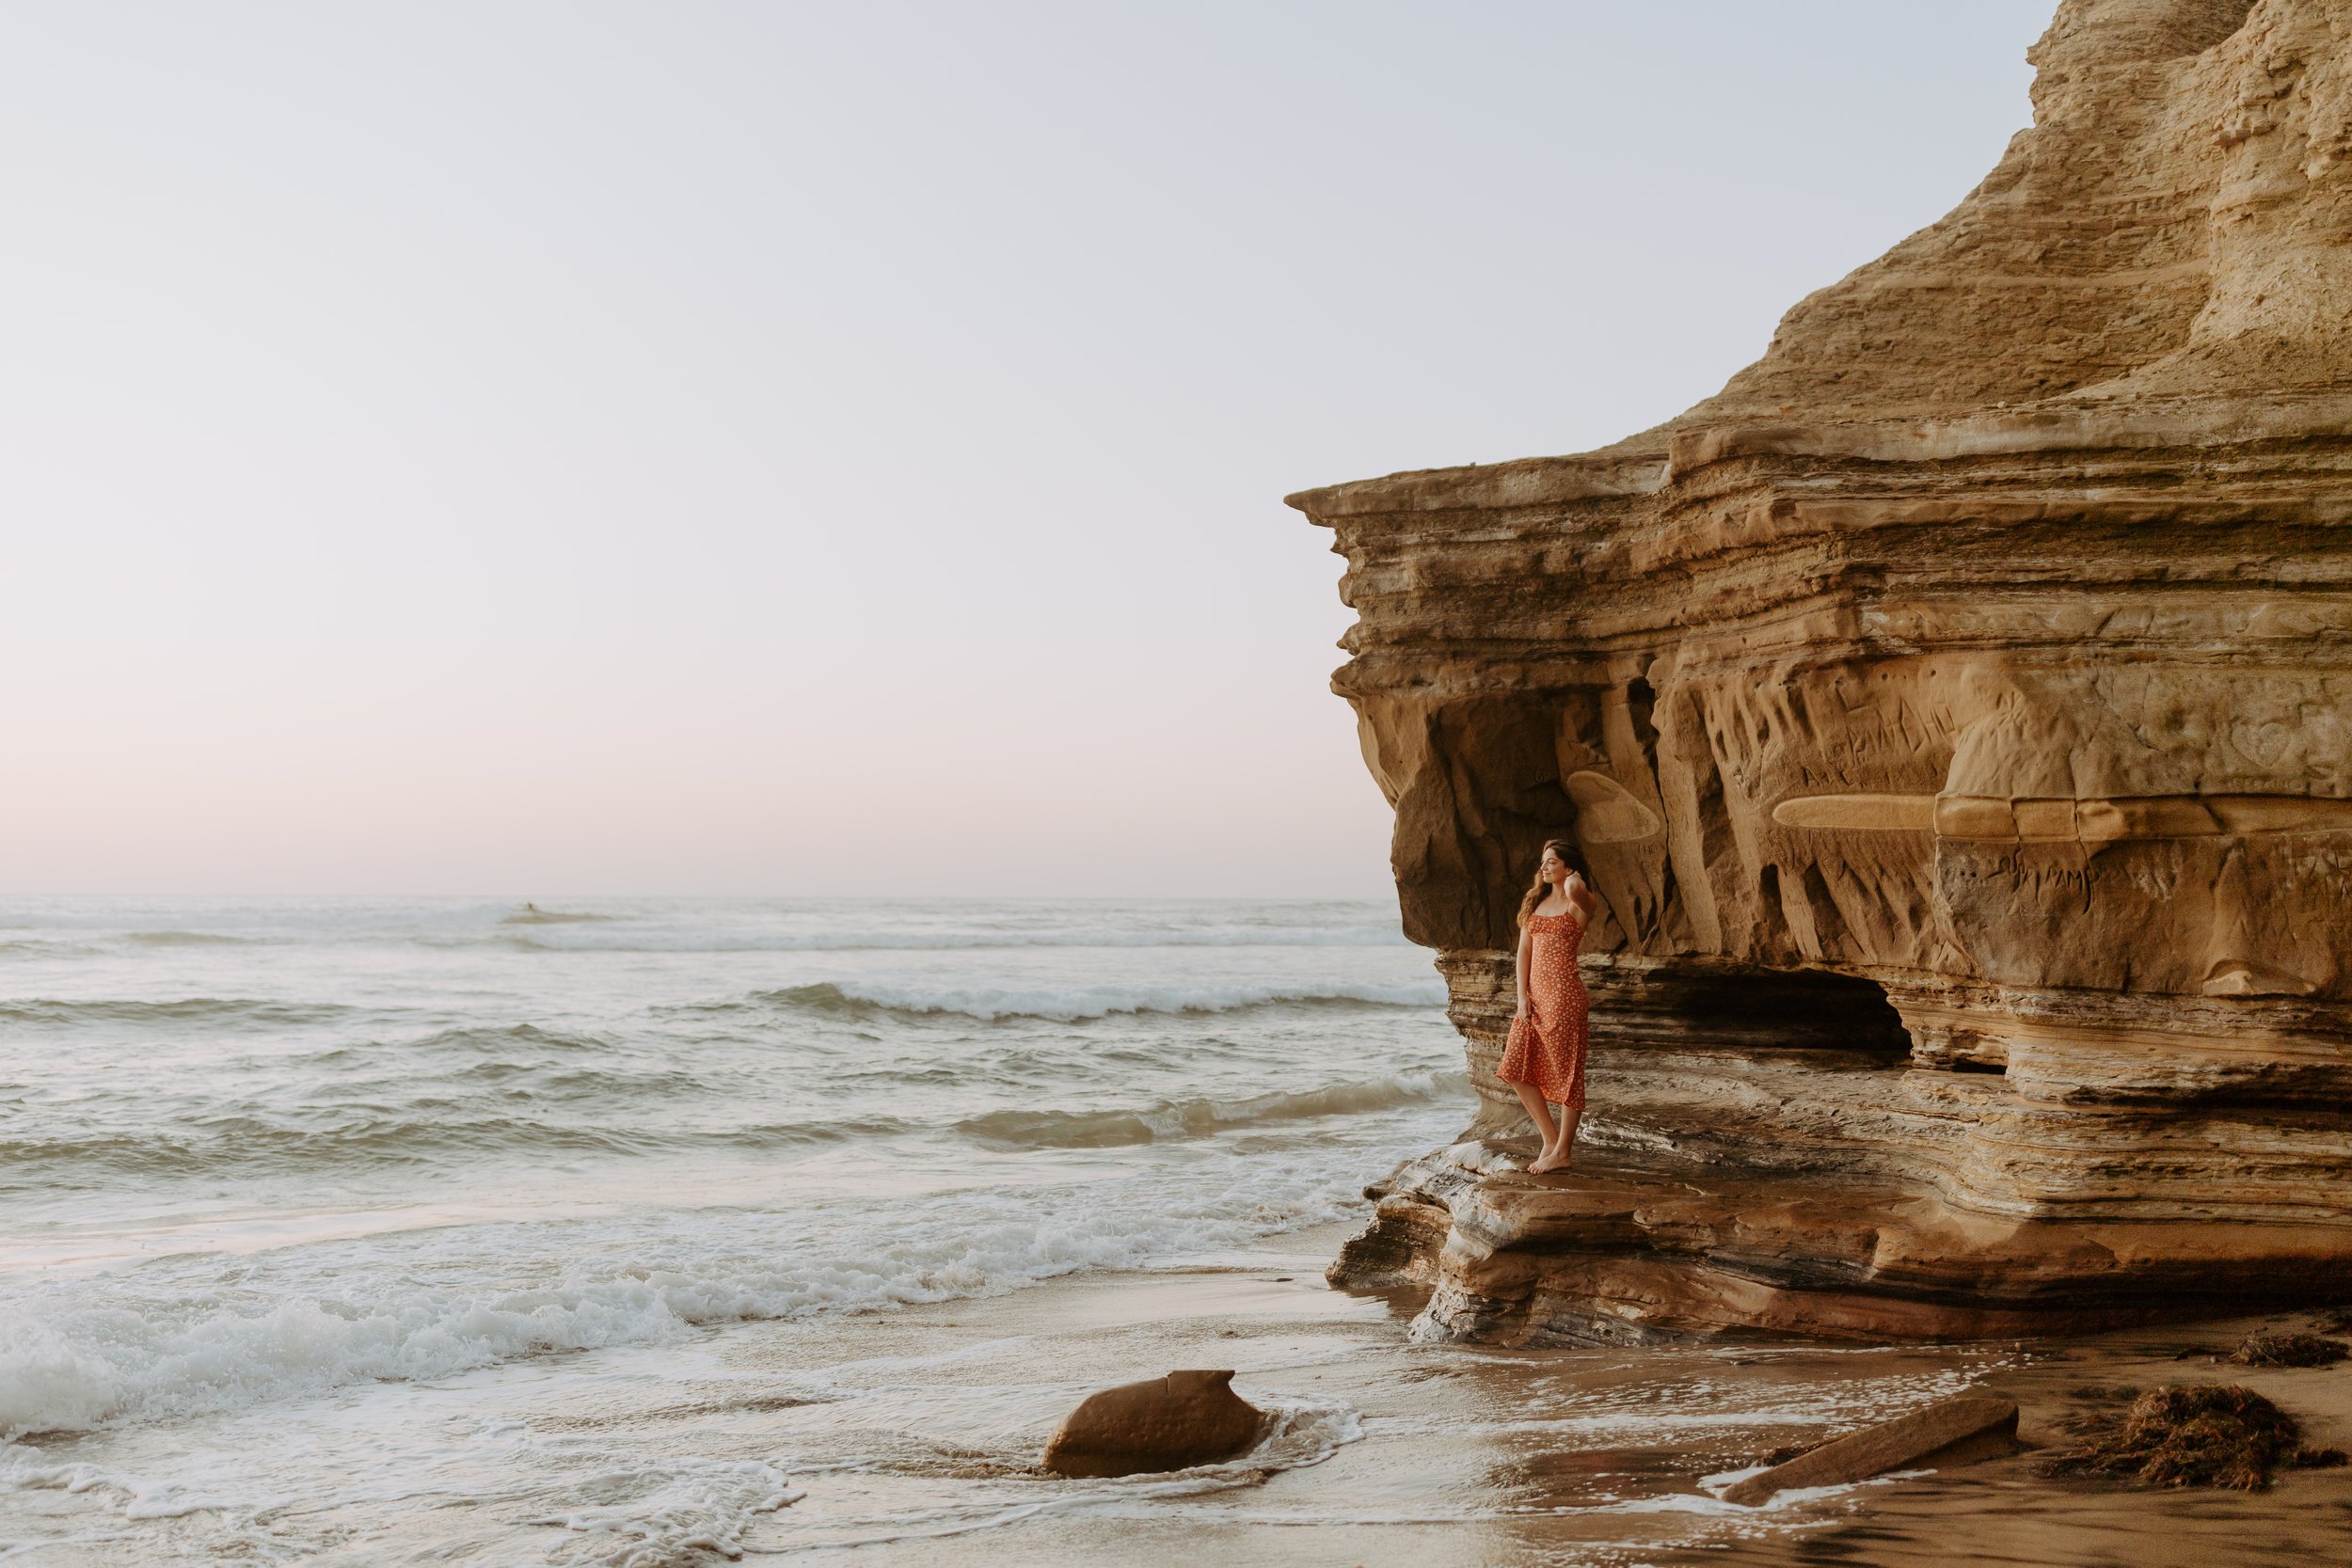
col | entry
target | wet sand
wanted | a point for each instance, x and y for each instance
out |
(1469, 1456)
(910, 1437)
(2000, 1511)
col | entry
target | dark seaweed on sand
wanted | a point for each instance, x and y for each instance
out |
(2290, 1350)
(2206, 1436)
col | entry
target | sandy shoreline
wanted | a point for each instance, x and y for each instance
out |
(1475, 1456)
(910, 1436)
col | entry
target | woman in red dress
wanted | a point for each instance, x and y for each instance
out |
(1545, 1059)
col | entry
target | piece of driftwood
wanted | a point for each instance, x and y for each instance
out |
(1943, 1430)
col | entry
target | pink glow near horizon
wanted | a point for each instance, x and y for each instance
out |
(732, 447)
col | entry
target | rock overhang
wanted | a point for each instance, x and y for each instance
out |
(2032, 710)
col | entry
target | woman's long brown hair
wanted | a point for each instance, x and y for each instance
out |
(1569, 856)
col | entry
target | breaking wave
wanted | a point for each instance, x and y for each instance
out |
(198, 1333)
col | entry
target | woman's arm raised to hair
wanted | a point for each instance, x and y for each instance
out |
(1527, 937)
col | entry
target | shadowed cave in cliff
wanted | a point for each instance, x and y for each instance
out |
(1764, 1009)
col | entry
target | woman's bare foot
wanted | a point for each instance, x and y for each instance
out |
(1548, 1160)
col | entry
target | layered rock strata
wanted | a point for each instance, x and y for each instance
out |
(1956, 714)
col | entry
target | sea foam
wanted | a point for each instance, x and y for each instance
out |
(206, 1333)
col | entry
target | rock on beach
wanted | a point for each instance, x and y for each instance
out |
(1162, 1423)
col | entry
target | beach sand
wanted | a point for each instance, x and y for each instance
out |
(1471, 1456)
(910, 1437)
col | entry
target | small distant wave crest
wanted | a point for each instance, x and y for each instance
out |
(237, 1144)
(532, 914)
(1196, 1118)
(44, 947)
(67, 1012)
(1073, 1002)
(186, 939)
(621, 939)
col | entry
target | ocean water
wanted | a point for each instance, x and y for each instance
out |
(659, 1233)
(261, 1160)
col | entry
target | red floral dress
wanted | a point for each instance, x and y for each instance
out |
(1547, 1047)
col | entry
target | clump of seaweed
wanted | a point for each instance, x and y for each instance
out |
(2204, 1436)
(2290, 1350)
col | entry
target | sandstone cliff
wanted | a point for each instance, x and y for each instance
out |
(1956, 711)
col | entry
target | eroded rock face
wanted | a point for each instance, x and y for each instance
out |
(1956, 710)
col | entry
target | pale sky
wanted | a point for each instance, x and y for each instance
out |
(692, 447)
